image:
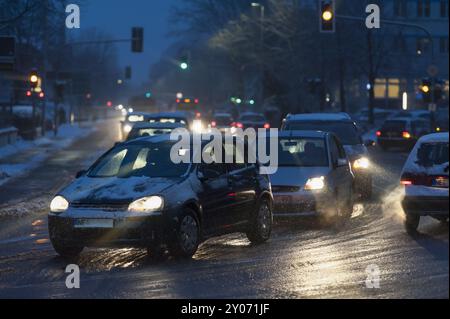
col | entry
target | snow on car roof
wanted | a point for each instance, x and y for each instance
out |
(158, 125)
(434, 138)
(319, 117)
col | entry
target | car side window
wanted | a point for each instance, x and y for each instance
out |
(217, 164)
(341, 151)
(334, 150)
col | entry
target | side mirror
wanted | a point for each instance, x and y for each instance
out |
(369, 143)
(342, 162)
(80, 173)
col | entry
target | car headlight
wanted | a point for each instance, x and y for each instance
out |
(127, 128)
(362, 163)
(197, 126)
(316, 183)
(59, 204)
(147, 204)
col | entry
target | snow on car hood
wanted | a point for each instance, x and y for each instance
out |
(114, 189)
(296, 176)
(355, 152)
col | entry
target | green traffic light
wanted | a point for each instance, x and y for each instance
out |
(148, 95)
(251, 102)
(184, 66)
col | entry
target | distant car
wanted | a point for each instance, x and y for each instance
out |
(136, 196)
(130, 119)
(143, 129)
(221, 121)
(380, 115)
(442, 120)
(314, 177)
(252, 120)
(347, 132)
(425, 177)
(191, 120)
(402, 132)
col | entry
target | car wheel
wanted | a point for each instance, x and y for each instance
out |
(187, 236)
(261, 225)
(412, 223)
(67, 251)
(367, 191)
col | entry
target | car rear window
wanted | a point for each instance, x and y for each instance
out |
(253, 118)
(430, 154)
(394, 125)
(223, 120)
(345, 131)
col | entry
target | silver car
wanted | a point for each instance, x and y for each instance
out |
(314, 177)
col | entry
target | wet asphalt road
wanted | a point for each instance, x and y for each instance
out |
(302, 259)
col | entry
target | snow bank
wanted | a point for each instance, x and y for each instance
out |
(67, 134)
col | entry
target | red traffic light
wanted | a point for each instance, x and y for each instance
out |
(109, 104)
(28, 93)
(41, 95)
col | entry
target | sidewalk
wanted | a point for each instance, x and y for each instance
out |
(21, 157)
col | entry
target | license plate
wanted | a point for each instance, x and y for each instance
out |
(440, 182)
(94, 223)
(283, 199)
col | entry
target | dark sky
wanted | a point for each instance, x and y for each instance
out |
(117, 17)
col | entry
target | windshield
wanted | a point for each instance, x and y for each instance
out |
(168, 120)
(149, 160)
(345, 131)
(253, 118)
(136, 133)
(302, 152)
(431, 154)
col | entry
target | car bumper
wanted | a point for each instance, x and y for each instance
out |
(302, 204)
(426, 206)
(91, 228)
(395, 142)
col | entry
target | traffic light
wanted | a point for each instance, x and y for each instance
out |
(327, 16)
(425, 89)
(33, 78)
(137, 39)
(184, 62)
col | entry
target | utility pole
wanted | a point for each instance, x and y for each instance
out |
(371, 78)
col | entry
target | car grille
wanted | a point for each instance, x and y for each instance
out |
(285, 189)
(104, 207)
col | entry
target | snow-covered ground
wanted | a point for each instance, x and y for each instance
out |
(67, 134)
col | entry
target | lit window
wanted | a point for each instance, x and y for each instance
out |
(380, 88)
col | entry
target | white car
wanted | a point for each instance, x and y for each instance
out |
(425, 177)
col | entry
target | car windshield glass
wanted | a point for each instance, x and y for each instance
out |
(253, 118)
(149, 160)
(222, 120)
(168, 120)
(345, 131)
(430, 154)
(302, 152)
(149, 132)
(394, 125)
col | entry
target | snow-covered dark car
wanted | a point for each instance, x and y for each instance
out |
(136, 196)
(252, 120)
(346, 130)
(314, 178)
(425, 177)
(146, 129)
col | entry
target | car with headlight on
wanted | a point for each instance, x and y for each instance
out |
(130, 119)
(425, 181)
(144, 129)
(314, 177)
(347, 132)
(136, 196)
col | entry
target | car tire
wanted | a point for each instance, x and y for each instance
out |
(261, 225)
(186, 237)
(412, 223)
(367, 191)
(67, 251)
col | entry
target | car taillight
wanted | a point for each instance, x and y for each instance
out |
(424, 180)
(198, 115)
(267, 126)
(213, 124)
(406, 135)
(378, 133)
(237, 125)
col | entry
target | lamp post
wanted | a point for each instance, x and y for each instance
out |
(261, 45)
